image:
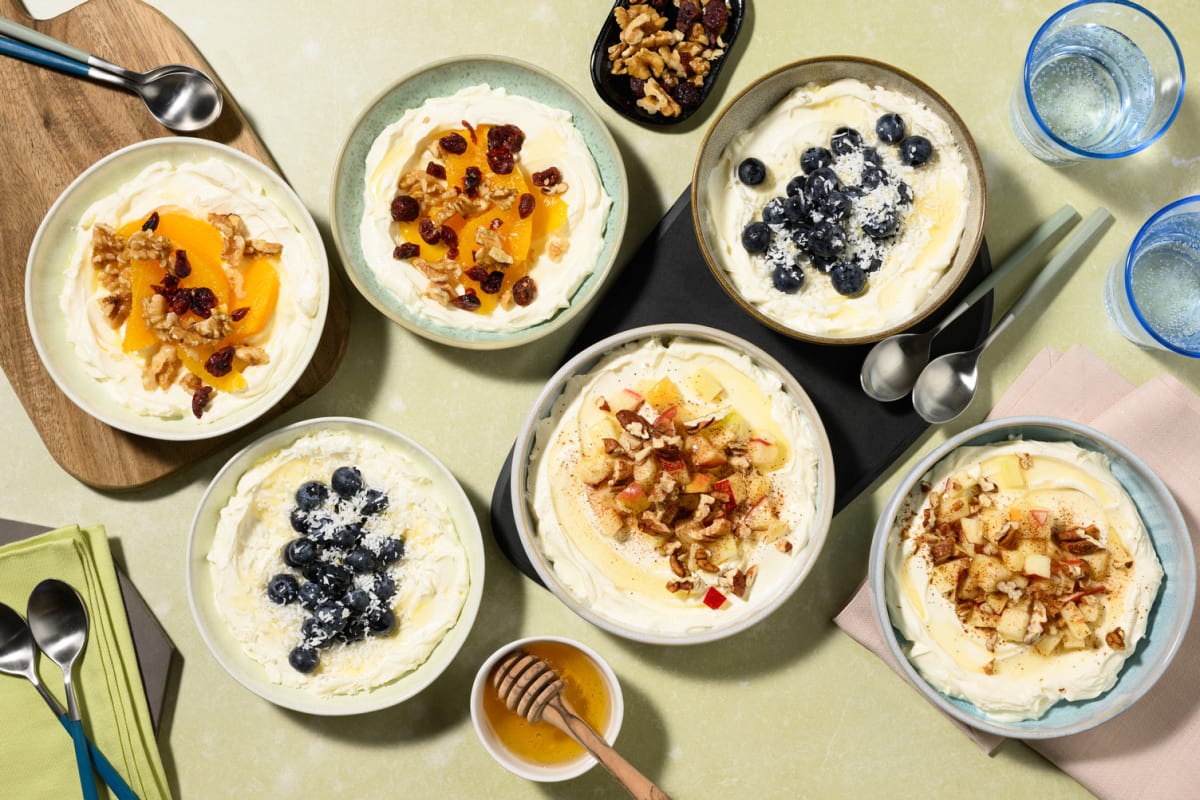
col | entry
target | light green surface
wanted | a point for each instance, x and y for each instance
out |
(792, 708)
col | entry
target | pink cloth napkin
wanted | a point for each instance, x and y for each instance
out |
(1151, 749)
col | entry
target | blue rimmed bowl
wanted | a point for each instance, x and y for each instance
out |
(442, 79)
(1169, 616)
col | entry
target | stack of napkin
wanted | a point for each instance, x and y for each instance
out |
(39, 760)
(1137, 753)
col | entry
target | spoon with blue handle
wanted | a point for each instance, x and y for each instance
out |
(180, 97)
(18, 656)
(59, 623)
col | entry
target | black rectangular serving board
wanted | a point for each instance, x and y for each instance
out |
(668, 281)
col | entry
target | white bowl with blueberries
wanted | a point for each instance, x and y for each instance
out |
(838, 200)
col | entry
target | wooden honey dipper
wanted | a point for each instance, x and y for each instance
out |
(532, 688)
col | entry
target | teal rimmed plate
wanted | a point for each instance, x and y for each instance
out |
(441, 79)
(1169, 615)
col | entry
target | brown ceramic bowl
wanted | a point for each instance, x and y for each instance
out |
(761, 97)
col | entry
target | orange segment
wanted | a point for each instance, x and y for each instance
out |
(143, 275)
(549, 214)
(260, 292)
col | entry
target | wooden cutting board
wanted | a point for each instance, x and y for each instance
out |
(52, 127)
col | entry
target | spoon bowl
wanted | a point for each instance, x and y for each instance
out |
(18, 651)
(947, 386)
(893, 365)
(180, 97)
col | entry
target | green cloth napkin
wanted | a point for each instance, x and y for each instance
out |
(38, 757)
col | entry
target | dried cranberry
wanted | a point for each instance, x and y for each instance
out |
(468, 301)
(181, 301)
(715, 15)
(430, 233)
(689, 14)
(452, 254)
(638, 86)
(220, 363)
(200, 400)
(525, 205)
(406, 250)
(471, 181)
(500, 159)
(524, 291)
(151, 222)
(686, 94)
(470, 131)
(547, 177)
(477, 274)
(453, 143)
(239, 314)
(685, 61)
(170, 282)
(436, 170)
(203, 301)
(182, 267)
(496, 223)
(405, 208)
(449, 237)
(491, 284)
(509, 136)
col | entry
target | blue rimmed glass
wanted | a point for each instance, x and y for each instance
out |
(1102, 80)
(1153, 294)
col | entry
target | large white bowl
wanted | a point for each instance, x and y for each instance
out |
(1168, 619)
(54, 244)
(765, 600)
(229, 652)
(441, 79)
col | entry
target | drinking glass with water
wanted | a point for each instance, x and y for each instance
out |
(1153, 294)
(1102, 80)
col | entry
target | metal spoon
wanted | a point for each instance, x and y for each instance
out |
(18, 656)
(59, 623)
(891, 368)
(947, 386)
(180, 97)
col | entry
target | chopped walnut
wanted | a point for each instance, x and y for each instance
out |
(116, 307)
(251, 356)
(260, 247)
(502, 197)
(491, 252)
(163, 369)
(557, 248)
(191, 382)
(1115, 639)
(657, 101)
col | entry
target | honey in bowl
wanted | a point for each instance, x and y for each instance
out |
(541, 743)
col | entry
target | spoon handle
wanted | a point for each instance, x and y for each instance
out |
(41, 41)
(83, 761)
(1096, 223)
(33, 54)
(558, 714)
(108, 773)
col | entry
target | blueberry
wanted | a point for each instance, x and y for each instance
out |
(872, 177)
(824, 261)
(787, 278)
(848, 278)
(881, 223)
(356, 600)
(873, 264)
(345, 536)
(796, 186)
(795, 209)
(361, 560)
(871, 156)
(303, 659)
(391, 551)
(300, 520)
(355, 630)
(314, 635)
(845, 140)
(772, 212)
(814, 158)
(346, 481)
(800, 237)
(827, 239)
(905, 193)
(336, 580)
(331, 616)
(890, 128)
(283, 589)
(384, 586)
(380, 620)
(375, 503)
(299, 552)
(820, 184)
(752, 172)
(756, 237)
(836, 206)
(915, 150)
(311, 495)
(312, 594)
(854, 192)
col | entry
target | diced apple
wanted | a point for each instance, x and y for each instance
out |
(663, 395)
(1120, 555)
(626, 400)
(1014, 560)
(1098, 564)
(633, 499)
(1091, 609)
(986, 572)
(1075, 622)
(704, 453)
(758, 486)
(646, 472)
(972, 529)
(593, 470)
(1014, 621)
(604, 428)
(776, 529)
(1006, 472)
(765, 455)
(700, 483)
(1072, 642)
(727, 429)
(982, 617)
(945, 576)
(758, 517)
(1040, 515)
(1037, 564)
(1048, 643)
(996, 602)
(706, 386)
